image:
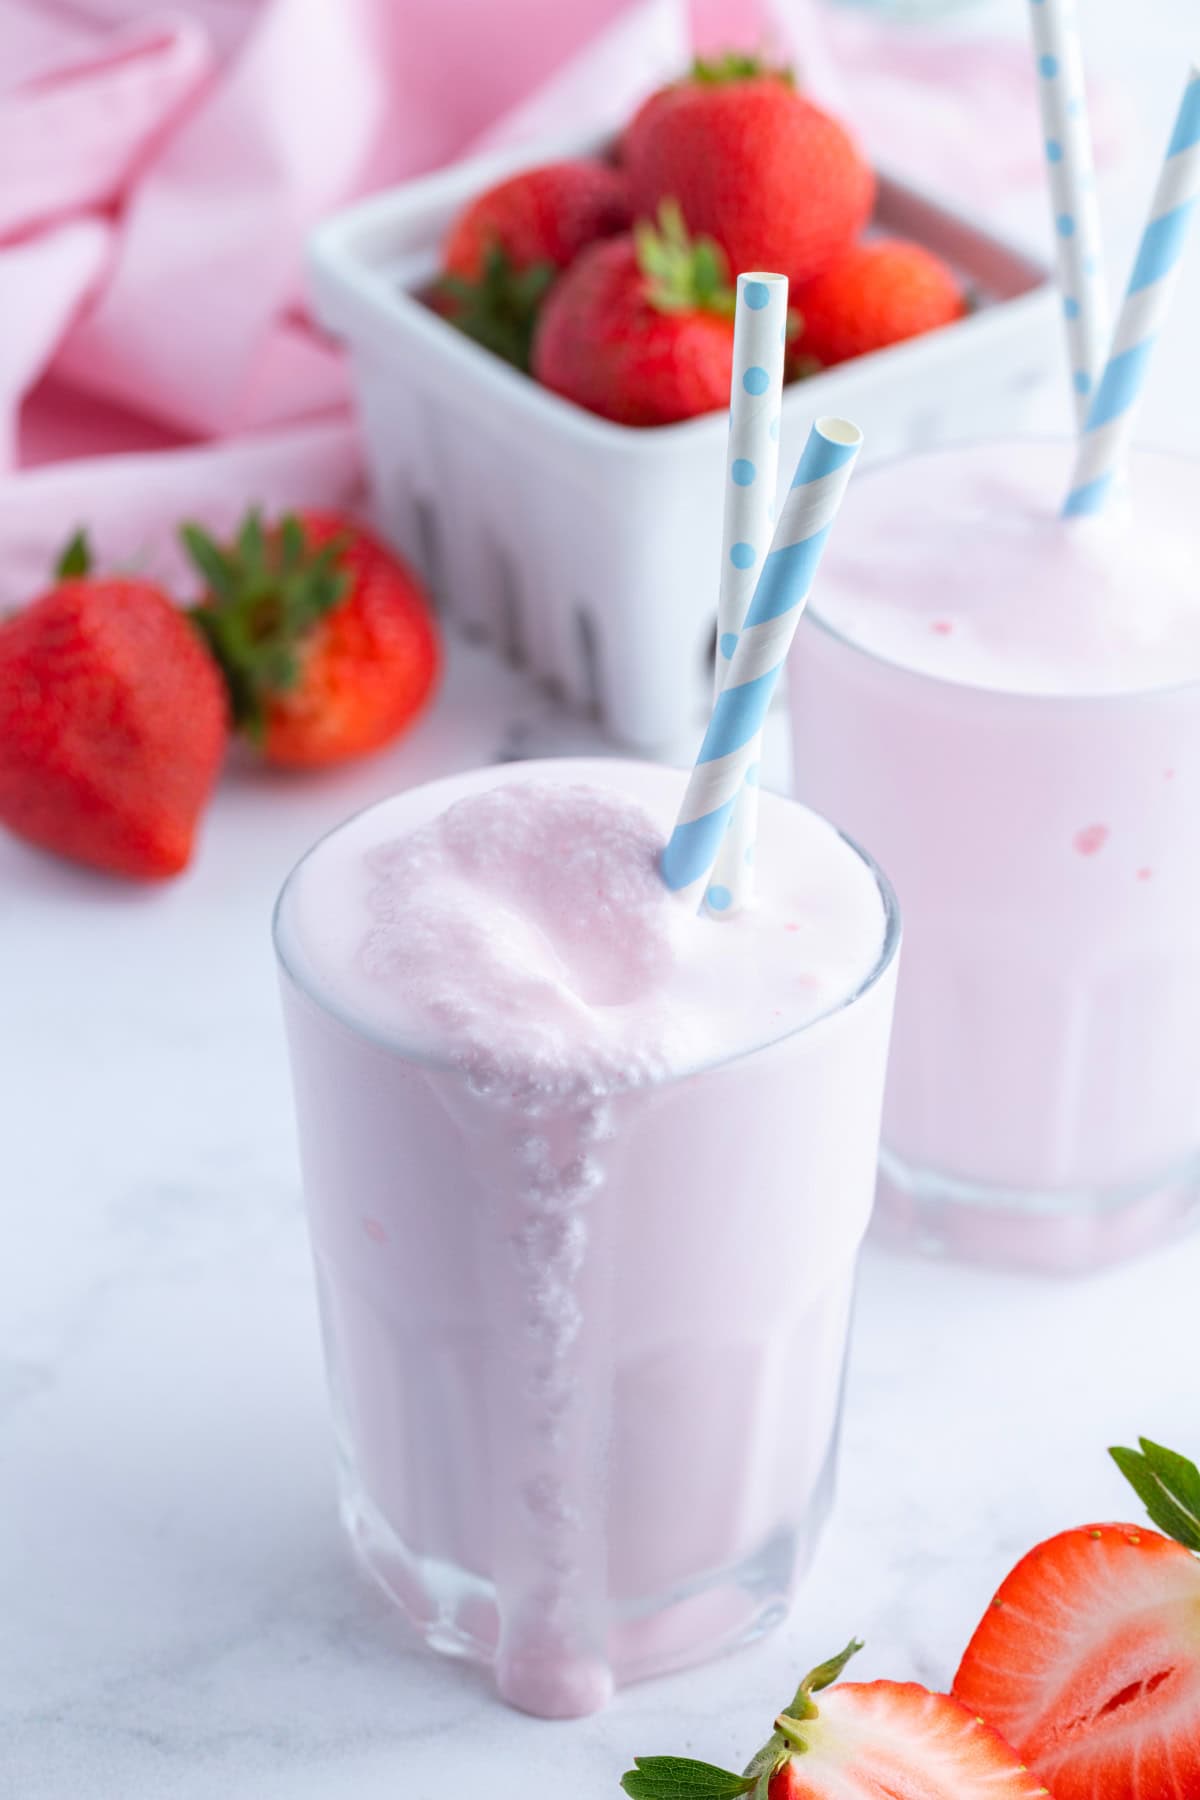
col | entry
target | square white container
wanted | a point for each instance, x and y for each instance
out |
(590, 550)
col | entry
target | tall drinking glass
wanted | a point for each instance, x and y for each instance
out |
(586, 1351)
(1006, 706)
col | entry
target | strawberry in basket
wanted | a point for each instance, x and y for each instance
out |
(640, 329)
(878, 293)
(775, 181)
(505, 249)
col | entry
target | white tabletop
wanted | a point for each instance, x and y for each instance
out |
(179, 1619)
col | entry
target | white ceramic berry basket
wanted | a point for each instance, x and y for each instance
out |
(588, 550)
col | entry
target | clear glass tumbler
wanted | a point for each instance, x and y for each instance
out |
(1043, 1100)
(586, 1425)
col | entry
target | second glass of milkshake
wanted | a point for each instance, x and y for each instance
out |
(1006, 706)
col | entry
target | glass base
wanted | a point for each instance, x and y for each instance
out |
(719, 1611)
(1051, 1231)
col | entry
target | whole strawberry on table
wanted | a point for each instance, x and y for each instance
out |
(324, 637)
(116, 704)
(561, 269)
(113, 722)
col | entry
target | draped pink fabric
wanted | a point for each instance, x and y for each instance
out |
(158, 177)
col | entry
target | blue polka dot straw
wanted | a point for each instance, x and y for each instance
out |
(730, 747)
(1112, 407)
(1073, 203)
(752, 471)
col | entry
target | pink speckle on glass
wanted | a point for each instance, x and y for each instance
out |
(375, 1231)
(1168, 774)
(1091, 839)
(790, 926)
(1144, 874)
(943, 627)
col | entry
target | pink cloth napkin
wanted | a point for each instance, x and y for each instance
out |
(161, 174)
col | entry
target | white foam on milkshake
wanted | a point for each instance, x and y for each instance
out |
(525, 934)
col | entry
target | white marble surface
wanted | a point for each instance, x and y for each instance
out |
(178, 1617)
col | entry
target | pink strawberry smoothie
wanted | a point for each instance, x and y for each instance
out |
(1006, 707)
(587, 1178)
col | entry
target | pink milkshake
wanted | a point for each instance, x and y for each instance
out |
(1006, 707)
(587, 1177)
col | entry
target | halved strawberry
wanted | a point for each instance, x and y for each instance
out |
(1088, 1658)
(874, 1740)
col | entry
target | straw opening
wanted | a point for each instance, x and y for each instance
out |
(840, 431)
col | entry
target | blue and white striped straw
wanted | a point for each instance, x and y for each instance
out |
(1111, 415)
(751, 475)
(1074, 204)
(729, 748)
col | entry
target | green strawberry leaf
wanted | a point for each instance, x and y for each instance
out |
(210, 560)
(250, 543)
(76, 559)
(1168, 1485)
(682, 274)
(267, 592)
(736, 65)
(678, 1778)
(500, 310)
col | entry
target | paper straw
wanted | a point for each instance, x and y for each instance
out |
(1074, 205)
(1111, 415)
(727, 753)
(751, 474)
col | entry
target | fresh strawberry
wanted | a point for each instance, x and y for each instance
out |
(112, 722)
(876, 294)
(773, 179)
(325, 638)
(506, 247)
(874, 1740)
(1088, 1658)
(545, 215)
(640, 329)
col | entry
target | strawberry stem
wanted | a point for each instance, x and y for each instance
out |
(737, 65)
(789, 1724)
(683, 274)
(500, 310)
(1168, 1486)
(266, 594)
(678, 1778)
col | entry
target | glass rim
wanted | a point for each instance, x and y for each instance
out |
(1005, 695)
(422, 1057)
